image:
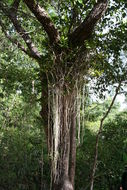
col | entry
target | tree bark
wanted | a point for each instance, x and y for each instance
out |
(43, 17)
(63, 142)
(72, 149)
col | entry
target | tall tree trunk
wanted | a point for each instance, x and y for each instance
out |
(99, 134)
(62, 129)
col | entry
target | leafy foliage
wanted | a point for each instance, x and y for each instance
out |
(112, 154)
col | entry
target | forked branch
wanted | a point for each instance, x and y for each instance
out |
(85, 29)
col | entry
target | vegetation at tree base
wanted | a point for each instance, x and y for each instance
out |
(24, 166)
(53, 55)
(112, 152)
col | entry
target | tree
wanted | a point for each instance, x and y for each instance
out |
(63, 57)
(98, 136)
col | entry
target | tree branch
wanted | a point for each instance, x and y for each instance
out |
(13, 41)
(12, 16)
(15, 5)
(85, 29)
(33, 50)
(43, 17)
